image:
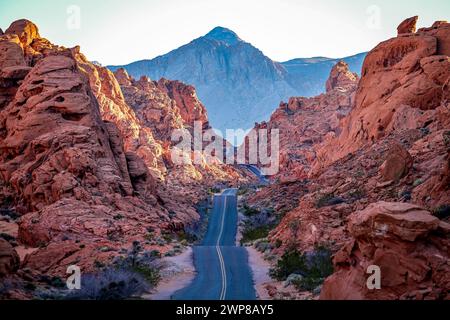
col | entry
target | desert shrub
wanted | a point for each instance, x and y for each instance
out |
(258, 226)
(290, 262)
(249, 211)
(110, 284)
(328, 199)
(214, 190)
(149, 236)
(307, 283)
(129, 276)
(151, 274)
(357, 194)
(188, 235)
(319, 261)
(278, 243)
(313, 266)
(242, 191)
(251, 234)
(442, 212)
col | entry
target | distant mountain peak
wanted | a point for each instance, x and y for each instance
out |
(223, 35)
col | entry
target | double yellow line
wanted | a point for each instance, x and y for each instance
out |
(223, 292)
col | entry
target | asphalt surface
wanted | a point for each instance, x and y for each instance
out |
(257, 172)
(222, 268)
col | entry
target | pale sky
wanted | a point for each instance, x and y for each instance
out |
(119, 32)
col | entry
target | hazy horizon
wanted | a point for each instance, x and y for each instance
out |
(114, 33)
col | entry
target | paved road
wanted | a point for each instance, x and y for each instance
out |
(255, 170)
(222, 268)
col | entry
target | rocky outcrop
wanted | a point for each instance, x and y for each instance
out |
(408, 25)
(341, 77)
(397, 164)
(138, 138)
(406, 242)
(378, 182)
(404, 85)
(9, 260)
(78, 164)
(305, 123)
(26, 30)
(163, 105)
(188, 104)
(67, 167)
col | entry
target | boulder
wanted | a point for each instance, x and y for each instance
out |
(11, 52)
(9, 259)
(408, 25)
(397, 164)
(407, 243)
(26, 30)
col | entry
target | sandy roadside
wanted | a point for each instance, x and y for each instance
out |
(260, 270)
(258, 266)
(178, 272)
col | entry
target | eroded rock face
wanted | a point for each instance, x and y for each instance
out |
(137, 137)
(163, 105)
(406, 242)
(402, 79)
(77, 163)
(53, 134)
(9, 260)
(305, 123)
(371, 199)
(188, 104)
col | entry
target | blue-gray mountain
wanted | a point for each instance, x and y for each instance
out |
(238, 84)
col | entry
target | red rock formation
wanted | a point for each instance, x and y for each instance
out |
(77, 162)
(165, 106)
(374, 172)
(9, 260)
(404, 80)
(138, 138)
(408, 25)
(25, 30)
(188, 104)
(304, 123)
(407, 243)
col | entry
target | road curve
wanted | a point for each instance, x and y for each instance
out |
(222, 268)
(257, 172)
